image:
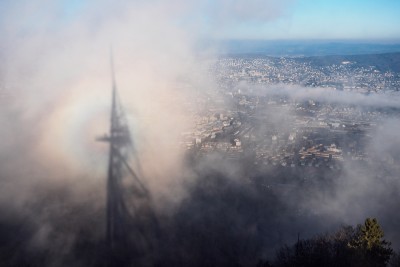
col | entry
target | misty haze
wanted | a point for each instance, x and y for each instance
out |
(199, 133)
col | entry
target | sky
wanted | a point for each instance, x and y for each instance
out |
(341, 19)
(284, 19)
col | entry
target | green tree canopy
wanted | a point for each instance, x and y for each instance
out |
(360, 246)
(369, 242)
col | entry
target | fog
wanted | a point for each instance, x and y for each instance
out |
(386, 99)
(359, 189)
(55, 94)
(57, 84)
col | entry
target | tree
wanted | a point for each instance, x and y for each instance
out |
(349, 246)
(395, 260)
(323, 250)
(369, 242)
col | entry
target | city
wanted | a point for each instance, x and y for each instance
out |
(272, 127)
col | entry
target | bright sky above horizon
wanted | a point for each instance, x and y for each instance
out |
(328, 19)
(338, 19)
(295, 19)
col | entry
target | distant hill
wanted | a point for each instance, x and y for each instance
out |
(383, 62)
(293, 48)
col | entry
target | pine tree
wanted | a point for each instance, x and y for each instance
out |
(369, 242)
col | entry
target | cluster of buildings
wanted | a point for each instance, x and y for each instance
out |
(283, 133)
(346, 75)
(274, 129)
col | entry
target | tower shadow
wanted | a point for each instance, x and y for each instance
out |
(131, 224)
